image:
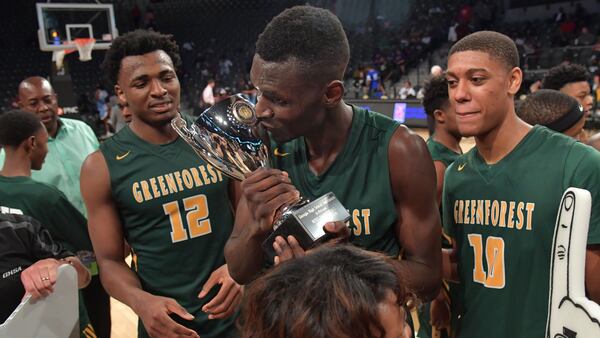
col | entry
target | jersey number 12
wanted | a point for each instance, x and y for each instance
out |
(494, 256)
(198, 224)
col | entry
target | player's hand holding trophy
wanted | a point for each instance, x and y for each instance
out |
(226, 136)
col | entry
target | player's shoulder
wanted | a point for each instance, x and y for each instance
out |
(584, 154)
(118, 143)
(374, 120)
(38, 188)
(570, 149)
(552, 138)
(48, 192)
(40, 193)
(406, 142)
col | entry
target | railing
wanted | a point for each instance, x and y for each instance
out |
(543, 59)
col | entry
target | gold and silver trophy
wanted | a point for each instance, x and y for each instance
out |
(226, 136)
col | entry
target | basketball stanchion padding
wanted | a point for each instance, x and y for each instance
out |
(56, 316)
(570, 313)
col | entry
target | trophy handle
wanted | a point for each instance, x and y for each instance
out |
(180, 126)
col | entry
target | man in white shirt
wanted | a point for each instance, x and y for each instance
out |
(407, 91)
(208, 98)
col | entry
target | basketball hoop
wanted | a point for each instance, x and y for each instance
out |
(85, 47)
(59, 55)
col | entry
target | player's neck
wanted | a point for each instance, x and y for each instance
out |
(445, 138)
(16, 163)
(328, 140)
(153, 134)
(499, 142)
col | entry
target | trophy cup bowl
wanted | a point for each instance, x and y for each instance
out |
(226, 136)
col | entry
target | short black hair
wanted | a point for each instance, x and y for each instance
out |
(435, 94)
(16, 126)
(561, 75)
(138, 42)
(313, 36)
(545, 106)
(497, 45)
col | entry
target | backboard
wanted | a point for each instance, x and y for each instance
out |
(60, 23)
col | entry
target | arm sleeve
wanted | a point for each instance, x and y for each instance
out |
(582, 169)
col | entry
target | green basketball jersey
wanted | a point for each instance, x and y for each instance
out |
(502, 217)
(176, 216)
(359, 177)
(440, 152)
(53, 210)
(49, 206)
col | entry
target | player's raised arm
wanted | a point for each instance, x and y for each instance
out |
(418, 226)
(262, 193)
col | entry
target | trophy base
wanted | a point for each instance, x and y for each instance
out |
(306, 223)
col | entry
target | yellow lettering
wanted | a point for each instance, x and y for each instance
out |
(487, 212)
(146, 191)
(365, 214)
(456, 211)
(171, 183)
(495, 213)
(187, 179)
(467, 216)
(161, 184)
(137, 195)
(154, 187)
(220, 175)
(520, 219)
(356, 221)
(204, 175)
(460, 211)
(178, 180)
(478, 273)
(511, 214)
(196, 177)
(529, 207)
(502, 223)
(473, 205)
(479, 212)
(178, 232)
(494, 254)
(213, 175)
(197, 216)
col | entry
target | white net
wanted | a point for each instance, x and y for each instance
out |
(58, 56)
(85, 47)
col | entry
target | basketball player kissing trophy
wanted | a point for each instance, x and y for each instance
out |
(226, 136)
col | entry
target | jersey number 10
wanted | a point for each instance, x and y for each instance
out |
(494, 256)
(198, 224)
